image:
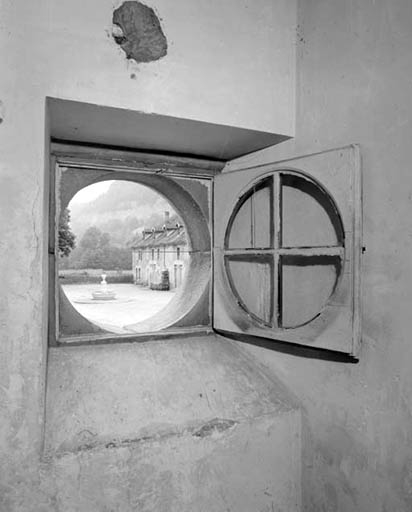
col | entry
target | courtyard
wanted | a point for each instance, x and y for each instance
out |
(132, 304)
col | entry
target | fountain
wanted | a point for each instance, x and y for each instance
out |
(104, 293)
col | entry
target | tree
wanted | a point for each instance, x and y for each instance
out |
(67, 239)
(96, 251)
(94, 239)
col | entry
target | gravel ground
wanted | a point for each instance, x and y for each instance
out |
(133, 303)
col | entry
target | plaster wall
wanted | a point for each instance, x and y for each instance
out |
(66, 50)
(184, 472)
(354, 85)
(221, 58)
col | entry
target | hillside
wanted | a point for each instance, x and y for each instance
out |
(122, 211)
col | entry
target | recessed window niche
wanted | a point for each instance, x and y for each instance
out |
(132, 253)
(286, 247)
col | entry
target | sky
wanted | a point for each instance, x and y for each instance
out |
(89, 193)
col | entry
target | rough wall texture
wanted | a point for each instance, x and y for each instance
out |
(171, 426)
(354, 82)
(65, 49)
(109, 394)
(353, 86)
(184, 472)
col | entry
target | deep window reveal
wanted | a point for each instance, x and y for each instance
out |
(286, 244)
(190, 308)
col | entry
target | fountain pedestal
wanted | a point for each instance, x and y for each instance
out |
(104, 293)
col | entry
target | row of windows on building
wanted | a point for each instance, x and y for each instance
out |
(155, 253)
(160, 256)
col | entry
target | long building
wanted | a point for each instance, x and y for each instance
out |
(160, 256)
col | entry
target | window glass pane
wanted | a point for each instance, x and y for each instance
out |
(308, 219)
(261, 218)
(251, 281)
(251, 225)
(241, 229)
(306, 288)
(308, 216)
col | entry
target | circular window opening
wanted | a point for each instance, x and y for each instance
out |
(284, 250)
(124, 255)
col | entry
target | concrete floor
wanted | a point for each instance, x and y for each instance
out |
(132, 304)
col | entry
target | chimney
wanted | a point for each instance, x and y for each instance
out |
(167, 216)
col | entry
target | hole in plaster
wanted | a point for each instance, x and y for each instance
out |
(138, 32)
(118, 35)
(217, 425)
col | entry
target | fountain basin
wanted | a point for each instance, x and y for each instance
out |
(103, 295)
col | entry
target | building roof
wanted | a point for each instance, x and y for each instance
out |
(160, 236)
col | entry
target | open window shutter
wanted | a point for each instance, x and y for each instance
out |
(287, 247)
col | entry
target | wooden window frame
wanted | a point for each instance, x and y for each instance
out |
(81, 156)
(276, 251)
(338, 326)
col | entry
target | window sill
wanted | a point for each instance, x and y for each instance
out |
(109, 338)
